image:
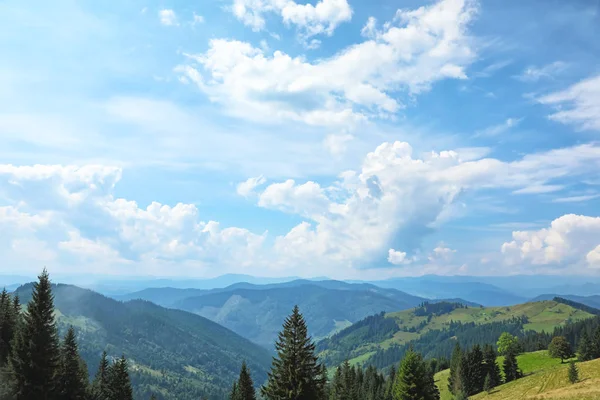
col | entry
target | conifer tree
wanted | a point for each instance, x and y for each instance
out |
(413, 380)
(295, 373)
(491, 366)
(511, 367)
(100, 385)
(596, 344)
(7, 326)
(119, 382)
(72, 378)
(473, 372)
(573, 372)
(487, 384)
(389, 389)
(234, 394)
(585, 348)
(35, 356)
(245, 384)
(455, 362)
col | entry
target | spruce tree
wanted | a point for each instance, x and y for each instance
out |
(119, 382)
(246, 385)
(35, 357)
(234, 394)
(596, 344)
(487, 383)
(573, 372)
(491, 366)
(585, 349)
(511, 367)
(475, 372)
(413, 380)
(7, 326)
(72, 384)
(295, 373)
(100, 385)
(455, 362)
(389, 388)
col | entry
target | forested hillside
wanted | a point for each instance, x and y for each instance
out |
(172, 353)
(432, 329)
(256, 313)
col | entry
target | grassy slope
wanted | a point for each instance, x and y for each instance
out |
(546, 378)
(543, 316)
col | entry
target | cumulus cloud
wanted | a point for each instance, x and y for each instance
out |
(578, 105)
(322, 18)
(410, 53)
(391, 201)
(396, 257)
(167, 17)
(247, 187)
(569, 240)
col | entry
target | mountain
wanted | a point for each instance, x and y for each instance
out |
(166, 296)
(434, 328)
(256, 312)
(182, 355)
(591, 301)
(437, 287)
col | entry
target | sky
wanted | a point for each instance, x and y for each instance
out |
(353, 139)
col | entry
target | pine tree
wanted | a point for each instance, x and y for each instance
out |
(7, 326)
(474, 371)
(119, 382)
(100, 386)
(455, 362)
(585, 348)
(491, 366)
(413, 380)
(596, 344)
(72, 383)
(234, 394)
(296, 373)
(246, 385)
(35, 355)
(389, 388)
(511, 367)
(573, 372)
(487, 384)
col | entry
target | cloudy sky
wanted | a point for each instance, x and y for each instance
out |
(341, 138)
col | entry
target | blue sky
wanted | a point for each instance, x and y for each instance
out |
(342, 138)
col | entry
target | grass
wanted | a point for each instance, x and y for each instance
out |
(545, 378)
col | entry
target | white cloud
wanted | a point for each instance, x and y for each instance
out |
(167, 17)
(390, 202)
(247, 187)
(336, 143)
(499, 129)
(578, 105)
(570, 240)
(396, 257)
(576, 199)
(534, 74)
(419, 47)
(370, 28)
(198, 19)
(321, 18)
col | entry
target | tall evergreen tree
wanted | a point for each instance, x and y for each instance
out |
(72, 383)
(389, 388)
(119, 382)
(296, 373)
(596, 344)
(511, 367)
(585, 348)
(413, 380)
(7, 326)
(35, 356)
(491, 366)
(245, 384)
(573, 372)
(100, 385)
(234, 394)
(455, 362)
(473, 371)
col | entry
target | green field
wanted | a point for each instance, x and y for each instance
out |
(545, 378)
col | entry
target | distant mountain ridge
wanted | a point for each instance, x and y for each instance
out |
(173, 351)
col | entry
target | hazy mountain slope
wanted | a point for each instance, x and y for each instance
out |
(165, 297)
(440, 287)
(181, 354)
(258, 314)
(364, 339)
